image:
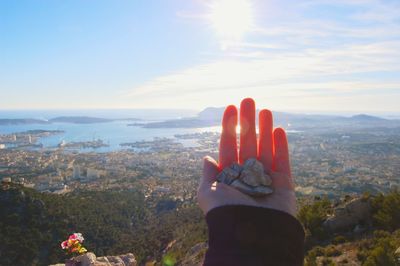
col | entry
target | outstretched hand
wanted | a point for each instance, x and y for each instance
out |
(271, 149)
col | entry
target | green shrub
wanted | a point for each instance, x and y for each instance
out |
(327, 262)
(386, 211)
(379, 256)
(339, 240)
(312, 217)
(332, 251)
(379, 249)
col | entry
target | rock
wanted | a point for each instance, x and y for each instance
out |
(89, 259)
(195, 256)
(253, 164)
(129, 259)
(253, 174)
(115, 261)
(102, 261)
(359, 229)
(120, 260)
(249, 178)
(252, 191)
(229, 174)
(348, 216)
(397, 252)
(86, 259)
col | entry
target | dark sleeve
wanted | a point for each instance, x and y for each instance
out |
(245, 235)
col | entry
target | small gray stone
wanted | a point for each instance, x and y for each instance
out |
(258, 191)
(229, 174)
(249, 178)
(255, 169)
(254, 164)
(262, 191)
(236, 167)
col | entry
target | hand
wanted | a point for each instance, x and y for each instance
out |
(271, 150)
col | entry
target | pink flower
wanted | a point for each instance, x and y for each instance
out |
(74, 244)
(64, 244)
(76, 236)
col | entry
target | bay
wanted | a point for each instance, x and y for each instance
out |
(112, 133)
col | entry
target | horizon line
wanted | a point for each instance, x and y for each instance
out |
(294, 111)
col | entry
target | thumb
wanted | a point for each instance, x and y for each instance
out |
(210, 170)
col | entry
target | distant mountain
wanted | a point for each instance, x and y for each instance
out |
(63, 119)
(79, 120)
(182, 123)
(367, 118)
(23, 121)
(211, 116)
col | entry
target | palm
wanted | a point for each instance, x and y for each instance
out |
(271, 149)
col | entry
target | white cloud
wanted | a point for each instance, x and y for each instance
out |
(293, 63)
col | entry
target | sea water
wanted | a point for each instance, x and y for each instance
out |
(111, 133)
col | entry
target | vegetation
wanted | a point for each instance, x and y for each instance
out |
(386, 209)
(379, 249)
(33, 225)
(312, 216)
(375, 247)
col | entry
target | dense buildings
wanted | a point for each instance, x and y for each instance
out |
(148, 190)
(333, 162)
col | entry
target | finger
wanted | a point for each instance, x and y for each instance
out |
(265, 143)
(248, 138)
(281, 152)
(210, 170)
(228, 145)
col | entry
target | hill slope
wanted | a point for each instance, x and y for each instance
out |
(33, 225)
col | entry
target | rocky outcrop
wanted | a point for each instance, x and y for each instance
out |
(195, 256)
(349, 215)
(90, 259)
(397, 253)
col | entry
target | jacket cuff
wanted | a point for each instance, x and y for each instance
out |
(239, 235)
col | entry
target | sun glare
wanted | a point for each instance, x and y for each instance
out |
(231, 19)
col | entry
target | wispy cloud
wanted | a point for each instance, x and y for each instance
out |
(288, 58)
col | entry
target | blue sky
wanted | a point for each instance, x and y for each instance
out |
(311, 55)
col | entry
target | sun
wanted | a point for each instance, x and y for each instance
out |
(231, 19)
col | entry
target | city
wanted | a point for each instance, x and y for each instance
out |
(330, 163)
